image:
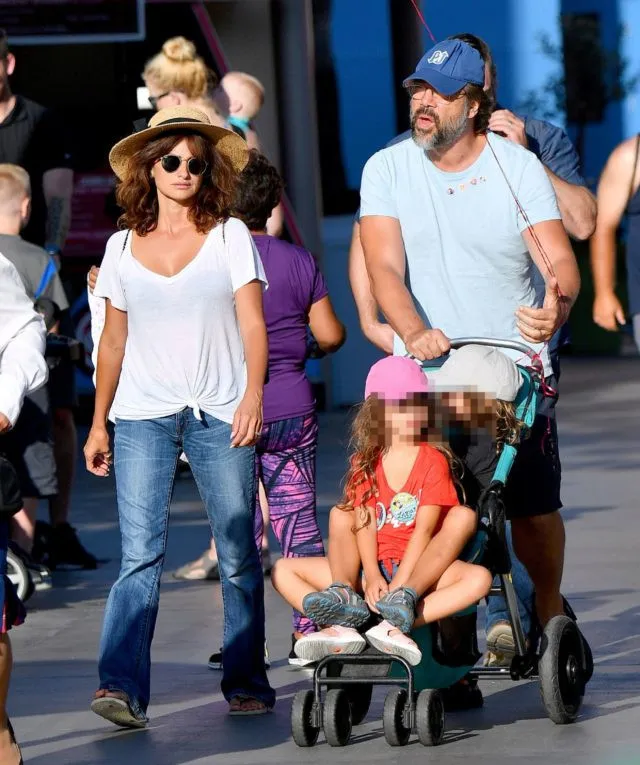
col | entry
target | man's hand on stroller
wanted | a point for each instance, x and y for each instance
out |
(539, 325)
(427, 344)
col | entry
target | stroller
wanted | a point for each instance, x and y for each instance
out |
(449, 648)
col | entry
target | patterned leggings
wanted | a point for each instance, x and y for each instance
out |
(286, 465)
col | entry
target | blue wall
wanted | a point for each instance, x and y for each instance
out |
(362, 51)
(361, 41)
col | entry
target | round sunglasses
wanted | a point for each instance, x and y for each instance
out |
(171, 162)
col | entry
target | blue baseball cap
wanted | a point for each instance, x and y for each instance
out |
(449, 66)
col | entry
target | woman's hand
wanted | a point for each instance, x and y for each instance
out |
(375, 587)
(97, 452)
(247, 421)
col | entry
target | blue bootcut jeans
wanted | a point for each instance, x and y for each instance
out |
(145, 458)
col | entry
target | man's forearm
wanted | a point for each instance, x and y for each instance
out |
(568, 278)
(395, 301)
(57, 185)
(577, 207)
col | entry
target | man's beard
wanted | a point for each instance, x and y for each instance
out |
(441, 136)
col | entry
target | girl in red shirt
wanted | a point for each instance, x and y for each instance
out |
(399, 489)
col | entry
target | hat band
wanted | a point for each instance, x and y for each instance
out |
(173, 120)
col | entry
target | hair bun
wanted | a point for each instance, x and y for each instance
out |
(179, 49)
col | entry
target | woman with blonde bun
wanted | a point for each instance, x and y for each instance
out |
(178, 76)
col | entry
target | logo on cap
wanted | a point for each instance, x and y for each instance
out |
(438, 57)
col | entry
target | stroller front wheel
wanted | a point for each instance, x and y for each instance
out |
(430, 717)
(394, 718)
(337, 717)
(303, 730)
(561, 672)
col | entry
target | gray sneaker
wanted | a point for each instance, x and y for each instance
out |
(399, 608)
(338, 605)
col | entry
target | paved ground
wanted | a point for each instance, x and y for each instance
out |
(55, 650)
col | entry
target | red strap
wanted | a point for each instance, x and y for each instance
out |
(422, 19)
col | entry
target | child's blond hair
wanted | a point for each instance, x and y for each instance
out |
(15, 186)
(250, 91)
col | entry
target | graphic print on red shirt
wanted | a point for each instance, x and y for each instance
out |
(429, 483)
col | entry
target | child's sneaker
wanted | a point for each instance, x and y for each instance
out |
(338, 604)
(329, 641)
(399, 608)
(387, 638)
(294, 661)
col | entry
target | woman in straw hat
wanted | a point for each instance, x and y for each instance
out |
(181, 366)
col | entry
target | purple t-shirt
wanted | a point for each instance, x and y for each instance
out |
(295, 284)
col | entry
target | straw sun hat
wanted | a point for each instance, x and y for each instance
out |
(174, 119)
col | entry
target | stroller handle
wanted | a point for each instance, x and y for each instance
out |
(511, 345)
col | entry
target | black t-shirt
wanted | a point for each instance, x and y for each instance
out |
(479, 457)
(32, 137)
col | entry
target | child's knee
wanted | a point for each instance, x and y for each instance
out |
(465, 520)
(280, 569)
(481, 581)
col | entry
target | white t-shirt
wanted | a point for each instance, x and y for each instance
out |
(184, 347)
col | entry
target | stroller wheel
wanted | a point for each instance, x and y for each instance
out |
(302, 728)
(430, 717)
(337, 717)
(396, 732)
(560, 668)
(19, 575)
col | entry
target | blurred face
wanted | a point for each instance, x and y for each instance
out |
(162, 99)
(178, 175)
(438, 121)
(470, 408)
(405, 420)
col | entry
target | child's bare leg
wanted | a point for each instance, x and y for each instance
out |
(344, 558)
(459, 525)
(294, 578)
(462, 585)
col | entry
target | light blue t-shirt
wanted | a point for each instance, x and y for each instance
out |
(468, 267)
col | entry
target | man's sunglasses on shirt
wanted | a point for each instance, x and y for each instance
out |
(171, 162)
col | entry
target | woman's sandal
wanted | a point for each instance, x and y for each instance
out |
(245, 706)
(203, 569)
(114, 706)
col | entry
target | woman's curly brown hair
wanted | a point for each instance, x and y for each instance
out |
(368, 445)
(136, 194)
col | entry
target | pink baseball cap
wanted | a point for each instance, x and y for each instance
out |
(395, 378)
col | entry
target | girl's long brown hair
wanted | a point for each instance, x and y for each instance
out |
(367, 445)
(137, 193)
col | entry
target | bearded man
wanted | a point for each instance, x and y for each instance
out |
(450, 253)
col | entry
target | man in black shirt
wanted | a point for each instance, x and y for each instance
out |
(30, 136)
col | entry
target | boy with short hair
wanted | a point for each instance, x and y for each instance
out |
(243, 97)
(31, 439)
